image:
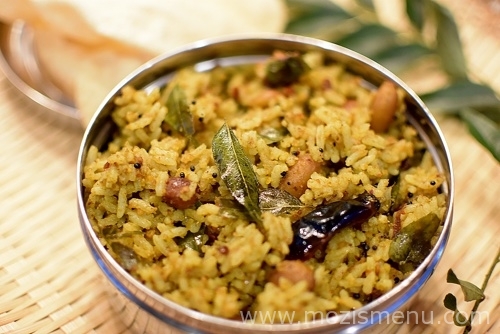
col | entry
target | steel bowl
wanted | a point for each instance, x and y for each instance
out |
(145, 311)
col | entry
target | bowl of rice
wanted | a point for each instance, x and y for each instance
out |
(260, 184)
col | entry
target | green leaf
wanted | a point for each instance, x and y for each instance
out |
(319, 25)
(396, 199)
(450, 302)
(471, 291)
(412, 243)
(193, 240)
(448, 44)
(284, 72)
(368, 4)
(179, 117)
(278, 201)
(460, 95)
(459, 319)
(232, 209)
(401, 57)
(415, 9)
(273, 135)
(491, 112)
(314, 18)
(126, 256)
(486, 132)
(369, 40)
(236, 170)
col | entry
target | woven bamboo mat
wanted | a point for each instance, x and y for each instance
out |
(50, 284)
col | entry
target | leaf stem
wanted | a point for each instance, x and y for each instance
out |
(496, 260)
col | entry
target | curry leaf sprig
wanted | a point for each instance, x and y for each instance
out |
(471, 292)
(434, 36)
(480, 107)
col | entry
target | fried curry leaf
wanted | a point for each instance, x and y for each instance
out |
(396, 199)
(178, 116)
(272, 135)
(413, 241)
(414, 160)
(471, 291)
(284, 72)
(193, 240)
(126, 256)
(229, 208)
(110, 231)
(232, 212)
(236, 170)
(278, 201)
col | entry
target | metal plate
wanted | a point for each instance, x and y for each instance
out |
(20, 64)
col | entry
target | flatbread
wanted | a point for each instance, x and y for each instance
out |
(160, 26)
(88, 47)
(98, 75)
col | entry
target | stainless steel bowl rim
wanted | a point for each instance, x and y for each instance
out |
(20, 64)
(392, 300)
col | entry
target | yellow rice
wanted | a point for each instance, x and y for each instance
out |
(125, 204)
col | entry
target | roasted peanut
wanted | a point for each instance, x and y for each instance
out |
(174, 188)
(293, 271)
(384, 106)
(295, 180)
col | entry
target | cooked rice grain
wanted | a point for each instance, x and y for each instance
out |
(326, 114)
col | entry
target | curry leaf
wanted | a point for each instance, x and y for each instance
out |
(396, 198)
(471, 291)
(178, 116)
(272, 135)
(369, 40)
(278, 201)
(232, 209)
(314, 18)
(126, 256)
(491, 112)
(236, 170)
(450, 302)
(486, 132)
(401, 57)
(413, 241)
(368, 4)
(448, 44)
(193, 240)
(284, 72)
(459, 95)
(416, 12)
